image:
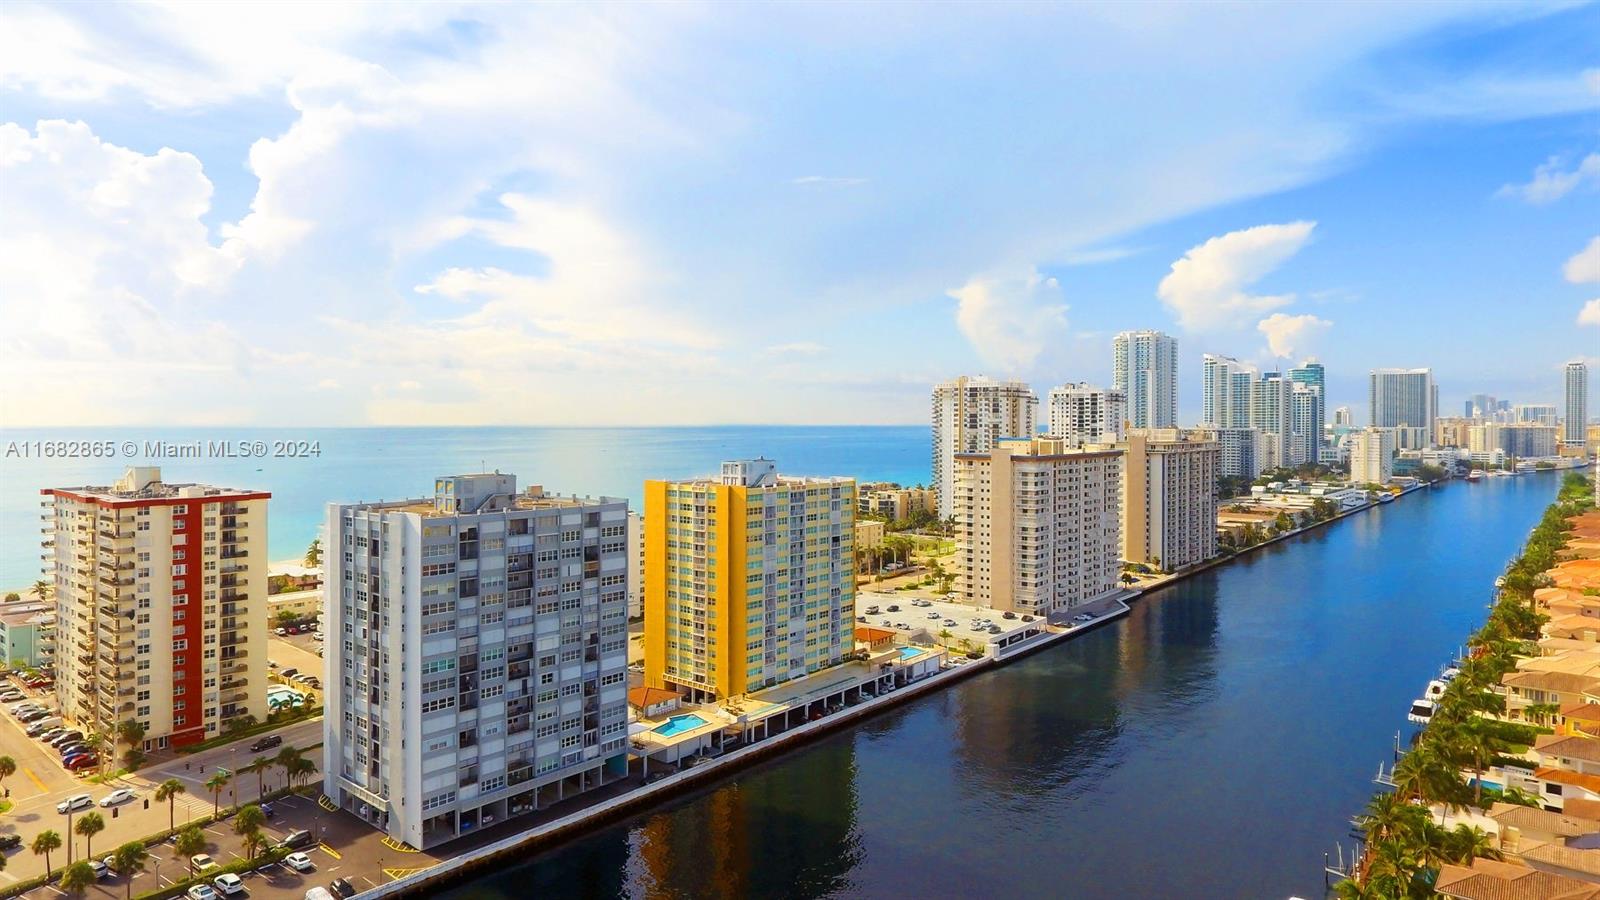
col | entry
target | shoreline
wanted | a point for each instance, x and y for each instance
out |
(476, 861)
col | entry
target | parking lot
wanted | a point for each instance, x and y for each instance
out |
(936, 617)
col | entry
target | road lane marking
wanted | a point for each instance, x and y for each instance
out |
(34, 778)
(331, 852)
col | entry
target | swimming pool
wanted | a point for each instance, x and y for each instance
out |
(678, 725)
(911, 652)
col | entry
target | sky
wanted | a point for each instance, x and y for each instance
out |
(655, 214)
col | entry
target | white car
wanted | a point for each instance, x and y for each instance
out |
(299, 862)
(202, 892)
(120, 795)
(75, 803)
(228, 884)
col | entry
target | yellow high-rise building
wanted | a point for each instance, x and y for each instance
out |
(749, 579)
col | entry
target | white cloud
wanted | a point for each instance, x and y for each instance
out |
(1552, 181)
(1206, 288)
(797, 348)
(1102, 255)
(1011, 319)
(1289, 336)
(1584, 266)
(1590, 313)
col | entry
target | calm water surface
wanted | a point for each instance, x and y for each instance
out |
(1212, 744)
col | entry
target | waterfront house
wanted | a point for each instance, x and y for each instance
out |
(1488, 879)
(652, 703)
(1524, 688)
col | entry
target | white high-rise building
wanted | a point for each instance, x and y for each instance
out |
(1271, 413)
(1343, 417)
(1086, 414)
(1305, 423)
(1038, 525)
(969, 415)
(1371, 455)
(477, 665)
(1169, 497)
(1576, 421)
(1225, 390)
(161, 608)
(1145, 369)
(1240, 451)
(1403, 398)
(1535, 414)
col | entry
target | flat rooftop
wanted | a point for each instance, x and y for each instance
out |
(934, 618)
(425, 506)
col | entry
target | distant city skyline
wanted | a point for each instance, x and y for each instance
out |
(654, 215)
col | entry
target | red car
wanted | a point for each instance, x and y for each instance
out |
(79, 763)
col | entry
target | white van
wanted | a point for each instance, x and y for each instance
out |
(319, 893)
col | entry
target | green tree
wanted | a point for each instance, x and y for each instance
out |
(299, 769)
(41, 588)
(13, 597)
(255, 842)
(131, 732)
(8, 768)
(260, 766)
(89, 824)
(129, 860)
(78, 877)
(1465, 843)
(314, 554)
(216, 784)
(45, 843)
(167, 792)
(249, 818)
(191, 841)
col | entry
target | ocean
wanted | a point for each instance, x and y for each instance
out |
(356, 464)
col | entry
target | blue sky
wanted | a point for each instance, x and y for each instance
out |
(488, 214)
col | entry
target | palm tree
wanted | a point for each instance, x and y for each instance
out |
(255, 842)
(89, 825)
(215, 784)
(78, 878)
(40, 588)
(944, 637)
(191, 840)
(168, 792)
(285, 758)
(43, 844)
(96, 742)
(131, 732)
(1477, 747)
(260, 765)
(298, 769)
(8, 768)
(1464, 843)
(250, 818)
(129, 859)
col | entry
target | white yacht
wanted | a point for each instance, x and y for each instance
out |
(1421, 711)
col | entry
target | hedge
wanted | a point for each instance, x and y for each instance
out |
(271, 724)
(266, 857)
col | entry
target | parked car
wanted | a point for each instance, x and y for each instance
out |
(74, 803)
(10, 841)
(120, 795)
(280, 632)
(38, 728)
(266, 743)
(272, 664)
(51, 735)
(66, 737)
(296, 839)
(33, 715)
(289, 672)
(203, 863)
(81, 762)
(11, 695)
(202, 892)
(267, 810)
(342, 887)
(296, 861)
(1008, 614)
(228, 884)
(101, 870)
(71, 748)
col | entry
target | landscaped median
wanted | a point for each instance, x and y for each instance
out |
(161, 837)
(274, 722)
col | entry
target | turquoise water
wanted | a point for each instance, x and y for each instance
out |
(392, 463)
(679, 724)
(909, 652)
